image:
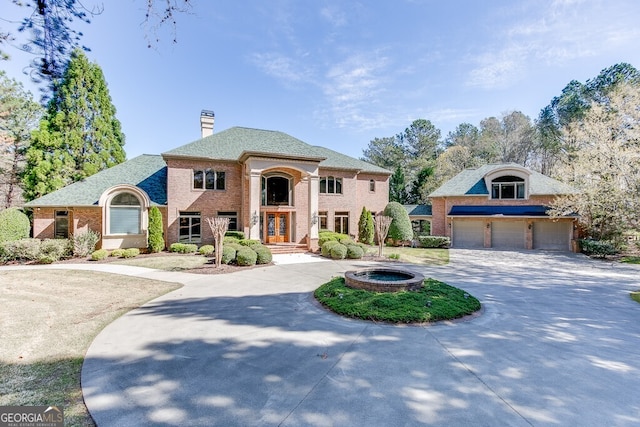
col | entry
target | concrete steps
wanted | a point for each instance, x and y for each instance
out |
(287, 248)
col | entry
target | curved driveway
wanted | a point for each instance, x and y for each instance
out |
(558, 344)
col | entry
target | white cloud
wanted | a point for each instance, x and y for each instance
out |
(334, 16)
(286, 69)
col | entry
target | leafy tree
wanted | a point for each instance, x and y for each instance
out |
(605, 165)
(421, 140)
(454, 160)
(79, 134)
(156, 230)
(385, 152)
(398, 186)
(19, 114)
(366, 229)
(421, 186)
(400, 229)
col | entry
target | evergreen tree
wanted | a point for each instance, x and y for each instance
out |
(156, 232)
(397, 186)
(79, 134)
(365, 227)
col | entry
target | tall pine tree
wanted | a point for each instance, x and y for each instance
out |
(79, 134)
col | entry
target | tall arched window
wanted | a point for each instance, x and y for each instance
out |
(125, 214)
(277, 190)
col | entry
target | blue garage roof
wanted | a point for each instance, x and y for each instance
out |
(533, 210)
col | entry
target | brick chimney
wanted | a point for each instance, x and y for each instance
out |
(207, 118)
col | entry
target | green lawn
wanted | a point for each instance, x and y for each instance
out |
(428, 256)
(435, 301)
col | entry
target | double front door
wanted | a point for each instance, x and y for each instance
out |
(277, 227)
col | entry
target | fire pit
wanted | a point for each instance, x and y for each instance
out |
(384, 280)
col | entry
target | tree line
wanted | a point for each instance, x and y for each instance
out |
(587, 137)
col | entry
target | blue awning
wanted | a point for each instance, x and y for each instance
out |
(534, 210)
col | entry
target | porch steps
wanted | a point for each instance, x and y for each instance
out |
(287, 248)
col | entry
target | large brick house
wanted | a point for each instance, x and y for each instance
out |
(270, 185)
(502, 206)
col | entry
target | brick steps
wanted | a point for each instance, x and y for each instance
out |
(287, 248)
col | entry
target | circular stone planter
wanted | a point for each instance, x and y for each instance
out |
(383, 280)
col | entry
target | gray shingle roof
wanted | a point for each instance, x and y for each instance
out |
(470, 182)
(418, 210)
(233, 143)
(148, 172)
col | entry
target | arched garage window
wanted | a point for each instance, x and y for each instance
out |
(125, 214)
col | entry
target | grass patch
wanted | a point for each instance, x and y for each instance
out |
(167, 263)
(428, 256)
(435, 301)
(630, 259)
(635, 296)
(49, 319)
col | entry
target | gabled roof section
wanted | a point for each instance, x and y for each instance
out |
(236, 143)
(470, 182)
(418, 210)
(147, 172)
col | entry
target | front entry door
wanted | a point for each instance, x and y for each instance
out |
(277, 227)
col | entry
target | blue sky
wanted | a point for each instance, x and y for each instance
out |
(339, 73)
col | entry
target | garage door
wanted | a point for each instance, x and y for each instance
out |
(507, 235)
(552, 235)
(468, 234)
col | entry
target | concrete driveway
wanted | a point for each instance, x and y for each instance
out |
(558, 344)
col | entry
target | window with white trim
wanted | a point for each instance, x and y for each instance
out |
(233, 219)
(330, 185)
(322, 219)
(190, 227)
(125, 214)
(208, 179)
(508, 187)
(341, 222)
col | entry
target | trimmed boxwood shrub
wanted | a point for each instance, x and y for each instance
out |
(249, 242)
(99, 254)
(339, 251)
(52, 250)
(434, 241)
(14, 225)
(235, 234)
(327, 236)
(131, 253)
(230, 239)
(117, 253)
(354, 252)
(264, 254)
(246, 256)
(206, 250)
(228, 254)
(325, 249)
(183, 248)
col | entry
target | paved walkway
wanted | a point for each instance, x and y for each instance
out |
(558, 344)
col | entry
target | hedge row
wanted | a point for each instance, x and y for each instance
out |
(43, 251)
(433, 241)
(336, 250)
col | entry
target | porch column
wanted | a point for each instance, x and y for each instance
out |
(255, 188)
(314, 222)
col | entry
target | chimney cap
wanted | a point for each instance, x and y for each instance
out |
(207, 113)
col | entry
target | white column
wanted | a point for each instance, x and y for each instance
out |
(255, 188)
(314, 191)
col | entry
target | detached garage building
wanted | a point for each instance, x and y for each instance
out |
(504, 207)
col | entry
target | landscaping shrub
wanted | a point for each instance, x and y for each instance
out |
(366, 230)
(339, 251)
(264, 254)
(235, 234)
(183, 248)
(325, 249)
(434, 241)
(14, 225)
(84, 243)
(99, 254)
(249, 242)
(327, 236)
(228, 254)
(230, 239)
(346, 240)
(400, 229)
(156, 233)
(354, 252)
(52, 250)
(206, 250)
(117, 253)
(597, 248)
(20, 250)
(131, 253)
(246, 256)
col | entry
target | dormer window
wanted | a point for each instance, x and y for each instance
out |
(508, 187)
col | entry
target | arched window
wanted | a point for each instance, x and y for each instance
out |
(125, 214)
(508, 187)
(372, 185)
(277, 190)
